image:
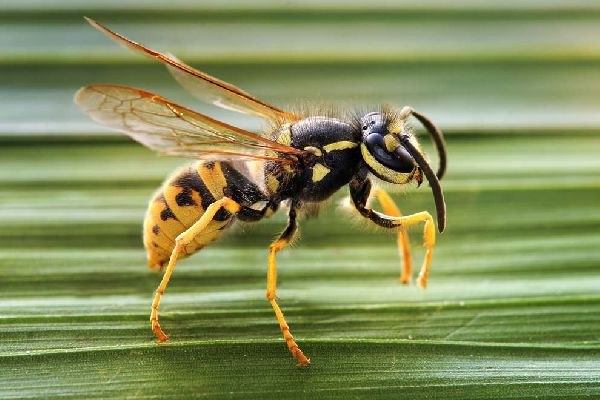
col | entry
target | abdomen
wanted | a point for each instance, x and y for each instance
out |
(178, 204)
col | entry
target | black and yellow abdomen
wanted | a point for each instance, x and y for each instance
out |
(179, 203)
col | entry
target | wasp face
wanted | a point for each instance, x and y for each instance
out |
(384, 154)
(393, 154)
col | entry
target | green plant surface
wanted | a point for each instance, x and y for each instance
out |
(512, 308)
(513, 304)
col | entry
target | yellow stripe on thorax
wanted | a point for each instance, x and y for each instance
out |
(319, 172)
(341, 145)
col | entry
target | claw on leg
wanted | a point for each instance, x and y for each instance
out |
(161, 336)
(287, 336)
(429, 243)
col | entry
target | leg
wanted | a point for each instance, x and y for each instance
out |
(428, 236)
(390, 208)
(359, 192)
(283, 240)
(180, 242)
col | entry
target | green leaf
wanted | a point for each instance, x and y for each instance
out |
(513, 305)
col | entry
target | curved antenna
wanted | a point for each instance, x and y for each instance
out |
(436, 188)
(436, 135)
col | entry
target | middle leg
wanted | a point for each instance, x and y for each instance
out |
(284, 239)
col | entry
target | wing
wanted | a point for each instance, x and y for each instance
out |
(205, 87)
(171, 129)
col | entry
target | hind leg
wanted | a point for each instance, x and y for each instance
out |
(180, 243)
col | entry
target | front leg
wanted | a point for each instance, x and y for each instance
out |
(390, 208)
(360, 191)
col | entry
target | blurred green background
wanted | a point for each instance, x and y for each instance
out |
(513, 306)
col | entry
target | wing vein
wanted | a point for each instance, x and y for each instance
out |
(169, 128)
(202, 85)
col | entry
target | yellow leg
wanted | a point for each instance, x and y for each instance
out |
(277, 245)
(180, 243)
(390, 208)
(359, 192)
(428, 236)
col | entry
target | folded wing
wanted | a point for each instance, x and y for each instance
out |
(171, 129)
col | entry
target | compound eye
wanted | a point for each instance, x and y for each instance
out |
(399, 160)
(405, 159)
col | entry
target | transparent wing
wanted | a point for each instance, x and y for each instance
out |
(205, 87)
(169, 128)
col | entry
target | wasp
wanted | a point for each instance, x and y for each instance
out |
(243, 176)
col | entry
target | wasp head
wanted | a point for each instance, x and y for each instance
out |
(392, 153)
(383, 153)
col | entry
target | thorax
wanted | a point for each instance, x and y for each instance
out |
(335, 157)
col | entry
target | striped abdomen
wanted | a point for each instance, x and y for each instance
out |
(182, 200)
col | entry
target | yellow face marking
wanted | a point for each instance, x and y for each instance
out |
(384, 172)
(396, 126)
(341, 145)
(319, 172)
(390, 142)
